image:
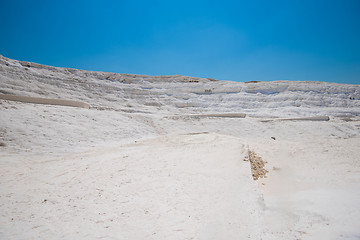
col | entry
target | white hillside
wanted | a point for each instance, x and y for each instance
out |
(94, 155)
(179, 94)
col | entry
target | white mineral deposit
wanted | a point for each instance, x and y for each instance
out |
(97, 155)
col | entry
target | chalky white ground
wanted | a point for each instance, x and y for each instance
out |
(148, 161)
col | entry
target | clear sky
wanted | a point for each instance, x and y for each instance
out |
(317, 40)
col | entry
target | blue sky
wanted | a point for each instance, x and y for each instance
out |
(228, 40)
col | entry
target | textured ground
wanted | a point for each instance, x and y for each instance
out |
(163, 157)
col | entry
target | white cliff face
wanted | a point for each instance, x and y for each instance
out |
(179, 94)
(167, 157)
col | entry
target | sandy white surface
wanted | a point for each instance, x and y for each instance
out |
(162, 158)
